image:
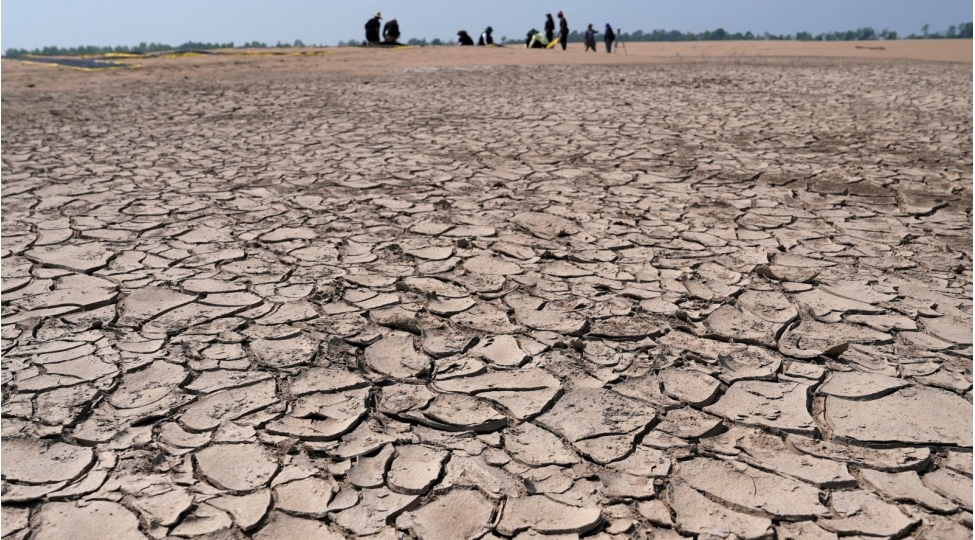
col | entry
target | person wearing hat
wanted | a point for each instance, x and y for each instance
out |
(549, 27)
(391, 32)
(372, 29)
(464, 39)
(563, 31)
(609, 37)
(486, 38)
(536, 40)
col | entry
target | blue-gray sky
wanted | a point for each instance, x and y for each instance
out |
(36, 23)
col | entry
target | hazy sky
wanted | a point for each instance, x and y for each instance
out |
(35, 23)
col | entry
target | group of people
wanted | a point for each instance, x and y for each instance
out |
(538, 40)
(486, 38)
(390, 31)
(534, 40)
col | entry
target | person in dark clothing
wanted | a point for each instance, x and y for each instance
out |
(609, 38)
(372, 30)
(563, 31)
(486, 38)
(391, 32)
(464, 39)
(590, 39)
(549, 27)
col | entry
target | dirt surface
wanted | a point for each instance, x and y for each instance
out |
(448, 294)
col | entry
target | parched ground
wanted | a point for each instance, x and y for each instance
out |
(704, 298)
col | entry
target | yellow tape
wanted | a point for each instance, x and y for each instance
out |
(79, 68)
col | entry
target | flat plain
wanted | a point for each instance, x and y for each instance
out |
(690, 291)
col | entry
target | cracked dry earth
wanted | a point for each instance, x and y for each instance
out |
(699, 300)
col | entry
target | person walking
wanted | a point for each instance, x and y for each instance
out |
(563, 31)
(372, 29)
(391, 32)
(590, 39)
(609, 38)
(549, 27)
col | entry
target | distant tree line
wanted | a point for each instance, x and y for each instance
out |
(961, 31)
(143, 48)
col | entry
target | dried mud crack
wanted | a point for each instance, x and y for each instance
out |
(693, 300)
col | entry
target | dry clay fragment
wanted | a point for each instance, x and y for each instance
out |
(746, 487)
(415, 468)
(474, 472)
(766, 404)
(860, 385)
(590, 412)
(221, 379)
(545, 226)
(692, 387)
(86, 521)
(600, 423)
(768, 452)
(537, 447)
(545, 516)
(326, 379)
(461, 514)
(33, 461)
(812, 338)
(956, 487)
(81, 258)
(281, 526)
(732, 324)
(862, 512)
(306, 497)
(913, 415)
(396, 356)
(146, 303)
(502, 350)
(374, 509)
(907, 487)
(321, 416)
(284, 353)
(486, 317)
(460, 412)
(567, 323)
(209, 411)
(887, 459)
(523, 393)
(369, 472)
(247, 510)
(627, 328)
(697, 514)
(149, 385)
(486, 264)
(688, 423)
(237, 467)
(644, 461)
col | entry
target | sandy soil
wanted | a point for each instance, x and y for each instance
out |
(442, 293)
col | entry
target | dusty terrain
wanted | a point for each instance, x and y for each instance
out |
(442, 294)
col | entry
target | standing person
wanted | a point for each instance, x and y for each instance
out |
(609, 38)
(563, 31)
(486, 38)
(549, 26)
(590, 39)
(372, 29)
(391, 31)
